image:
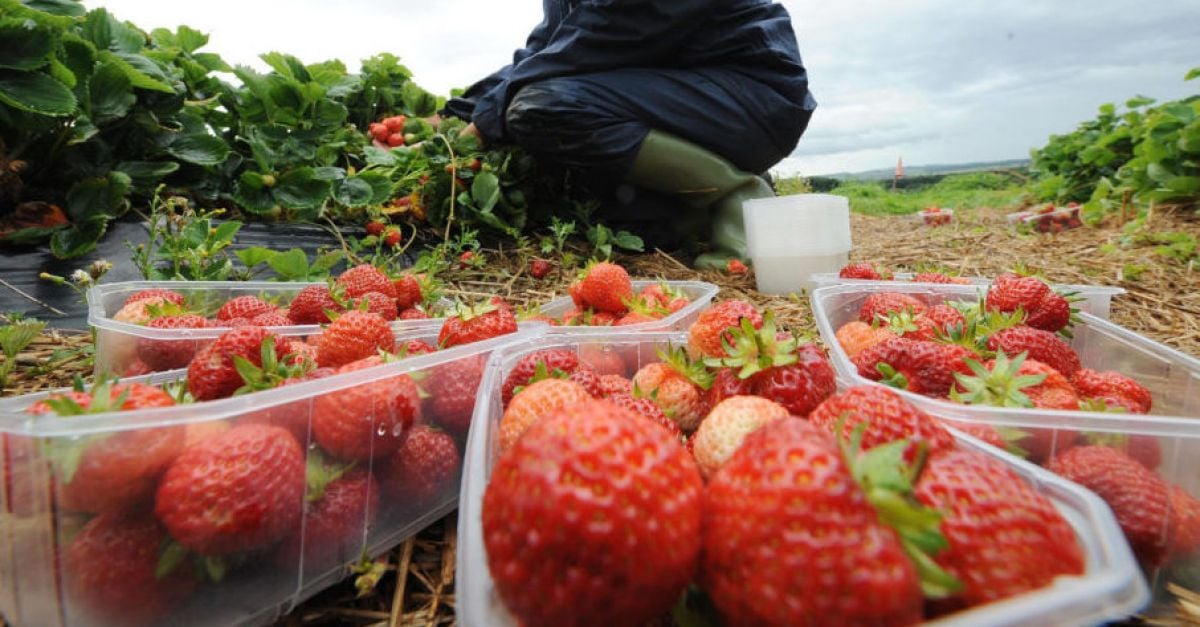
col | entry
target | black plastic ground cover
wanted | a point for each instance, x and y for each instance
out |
(20, 267)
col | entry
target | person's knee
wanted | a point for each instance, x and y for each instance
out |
(537, 109)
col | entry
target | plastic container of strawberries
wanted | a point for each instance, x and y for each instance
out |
(117, 342)
(1055, 221)
(699, 293)
(938, 217)
(1096, 299)
(1111, 587)
(37, 529)
(1172, 377)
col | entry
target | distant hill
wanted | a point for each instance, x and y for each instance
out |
(886, 174)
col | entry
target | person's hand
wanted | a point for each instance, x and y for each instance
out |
(471, 130)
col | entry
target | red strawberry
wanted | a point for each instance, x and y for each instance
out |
(365, 278)
(646, 408)
(726, 383)
(1114, 388)
(162, 354)
(945, 318)
(798, 386)
(475, 324)
(1041, 345)
(878, 305)
(535, 401)
(412, 313)
(340, 503)
(913, 327)
(1005, 538)
(938, 277)
(606, 287)
(366, 421)
(727, 425)
(712, 326)
(1138, 497)
(789, 490)
(412, 348)
(273, 318)
(1044, 308)
(1187, 530)
(865, 270)
(677, 386)
(539, 268)
(391, 237)
(310, 305)
(157, 294)
(856, 336)
(540, 519)
(112, 572)
(239, 491)
(247, 307)
(452, 388)
(615, 384)
(735, 266)
(376, 303)
(375, 227)
(354, 335)
(887, 417)
(423, 472)
(923, 367)
(409, 292)
(466, 259)
(213, 373)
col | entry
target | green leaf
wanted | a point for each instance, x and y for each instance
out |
(329, 173)
(287, 65)
(629, 241)
(190, 39)
(1139, 101)
(194, 233)
(145, 175)
(79, 55)
(485, 191)
(25, 44)
(31, 235)
(1192, 74)
(199, 149)
(353, 192)
(111, 94)
(1185, 185)
(251, 194)
(37, 93)
(255, 255)
(79, 239)
(291, 265)
(68, 8)
(323, 263)
(98, 197)
(225, 232)
(381, 186)
(137, 75)
(301, 189)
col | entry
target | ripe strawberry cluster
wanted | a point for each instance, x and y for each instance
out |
(404, 297)
(936, 216)
(295, 483)
(389, 132)
(1049, 218)
(603, 295)
(733, 464)
(1007, 351)
(870, 271)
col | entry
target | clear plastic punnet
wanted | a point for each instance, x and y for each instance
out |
(1111, 588)
(237, 509)
(118, 343)
(699, 293)
(1171, 430)
(1095, 299)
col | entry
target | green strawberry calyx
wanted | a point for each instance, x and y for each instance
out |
(271, 373)
(751, 350)
(999, 387)
(692, 370)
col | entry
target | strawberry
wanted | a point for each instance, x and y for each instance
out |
(1019, 382)
(726, 383)
(247, 307)
(423, 472)
(353, 336)
(115, 574)
(588, 379)
(213, 372)
(1044, 308)
(788, 489)
(1114, 388)
(575, 289)
(801, 385)
(1139, 498)
(615, 384)
(1005, 538)
(677, 385)
(938, 277)
(1041, 345)
(1186, 509)
(945, 318)
(395, 123)
(161, 354)
(365, 278)
(141, 311)
(239, 491)
(535, 401)
(340, 501)
(311, 304)
(856, 336)
(413, 313)
(727, 425)
(376, 303)
(452, 388)
(1141, 447)
(375, 227)
(735, 266)
(412, 348)
(710, 330)
(409, 290)
(911, 326)
(609, 359)
(865, 270)
(606, 287)
(886, 418)
(467, 259)
(368, 420)
(634, 317)
(541, 519)
(158, 294)
(982, 431)
(391, 237)
(539, 268)
(922, 367)
(273, 318)
(878, 305)
(475, 324)
(646, 408)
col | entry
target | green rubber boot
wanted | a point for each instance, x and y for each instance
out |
(707, 184)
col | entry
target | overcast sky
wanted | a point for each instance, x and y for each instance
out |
(932, 81)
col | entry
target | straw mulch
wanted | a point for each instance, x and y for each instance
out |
(1163, 303)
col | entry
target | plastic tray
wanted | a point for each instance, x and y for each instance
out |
(1111, 588)
(1172, 377)
(116, 342)
(938, 218)
(1097, 299)
(700, 293)
(35, 527)
(1061, 219)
